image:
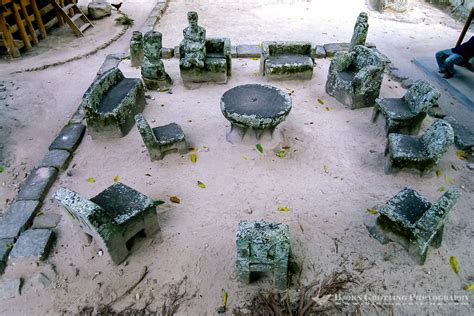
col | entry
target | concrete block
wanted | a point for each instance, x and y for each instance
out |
(320, 52)
(18, 218)
(5, 247)
(167, 52)
(233, 52)
(37, 184)
(248, 51)
(69, 138)
(33, 245)
(10, 288)
(332, 48)
(47, 220)
(56, 158)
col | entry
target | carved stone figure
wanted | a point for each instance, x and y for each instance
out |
(194, 43)
(360, 30)
(153, 70)
(136, 49)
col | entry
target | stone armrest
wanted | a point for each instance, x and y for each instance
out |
(365, 77)
(343, 60)
(433, 219)
(82, 209)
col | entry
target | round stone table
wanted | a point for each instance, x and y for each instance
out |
(254, 106)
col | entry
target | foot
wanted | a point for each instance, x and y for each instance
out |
(448, 75)
(442, 71)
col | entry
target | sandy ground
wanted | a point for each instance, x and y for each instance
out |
(332, 173)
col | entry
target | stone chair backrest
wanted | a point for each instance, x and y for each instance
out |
(421, 97)
(99, 88)
(437, 138)
(436, 215)
(145, 131)
(365, 56)
(290, 48)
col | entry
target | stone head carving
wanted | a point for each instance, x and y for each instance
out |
(152, 43)
(362, 18)
(136, 36)
(193, 18)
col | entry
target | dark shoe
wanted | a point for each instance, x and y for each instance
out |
(442, 71)
(448, 75)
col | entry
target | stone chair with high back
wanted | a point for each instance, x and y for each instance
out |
(414, 222)
(201, 59)
(406, 114)
(419, 152)
(113, 217)
(287, 60)
(161, 140)
(263, 247)
(355, 77)
(217, 64)
(110, 104)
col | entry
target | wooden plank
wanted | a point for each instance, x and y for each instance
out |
(28, 23)
(466, 27)
(46, 9)
(51, 23)
(38, 18)
(8, 38)
(21, 26)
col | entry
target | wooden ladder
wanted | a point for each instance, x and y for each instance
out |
(73, 16)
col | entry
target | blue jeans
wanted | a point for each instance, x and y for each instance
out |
(447, 59)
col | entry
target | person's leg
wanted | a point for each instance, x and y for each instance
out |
(452, 60)
(441, 56)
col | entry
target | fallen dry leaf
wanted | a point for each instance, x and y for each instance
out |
(201, 185)
(175, 199)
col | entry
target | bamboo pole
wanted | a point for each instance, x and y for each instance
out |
(38, 18)
(21, 27)
(8, 38)
(28, 22)
(466, 27)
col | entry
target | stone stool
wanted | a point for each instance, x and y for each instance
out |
(161, 140)
(414, 222)
(113, 217)
(263, 247)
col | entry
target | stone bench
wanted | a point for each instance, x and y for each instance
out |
(110, 104)
(286, 60)
(113, 217)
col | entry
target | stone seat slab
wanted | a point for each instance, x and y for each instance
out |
(115, 95)
(121, 202)
(215, 55)
(395, 108)
(289, 61)
(408, 146)
(407, 206)
(168, 134)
